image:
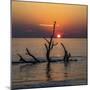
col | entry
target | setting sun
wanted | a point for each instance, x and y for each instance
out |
(58, 36)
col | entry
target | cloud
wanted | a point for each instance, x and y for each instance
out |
(48, 25)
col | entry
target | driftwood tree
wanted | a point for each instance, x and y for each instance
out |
(31, 55)
(21, 58)
(67, 54)
(50, 44)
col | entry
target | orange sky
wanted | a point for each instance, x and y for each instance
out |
(44, 14)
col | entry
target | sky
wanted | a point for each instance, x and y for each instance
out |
(35, 20)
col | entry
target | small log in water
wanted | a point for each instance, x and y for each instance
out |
(33, 62)
(22, 60)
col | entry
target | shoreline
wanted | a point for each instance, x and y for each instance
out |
(52, 84)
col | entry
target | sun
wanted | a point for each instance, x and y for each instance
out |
(58, 36)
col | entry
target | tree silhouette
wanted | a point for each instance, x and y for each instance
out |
(28, 52)
(67, 54)
(50, 44)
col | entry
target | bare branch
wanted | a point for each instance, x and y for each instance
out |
(55, 44)
(66, 54)
(63, 47)
(50, 45)
(52, 36)
(28, 52)
(54, 28)
(21, 58)
(46, 46)
(47, 40)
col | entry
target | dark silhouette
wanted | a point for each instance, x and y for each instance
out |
(48, 72)
(66, 57)
(21, 58)
(28, 52)
(66, 54)
(50, 44)
(66, 70)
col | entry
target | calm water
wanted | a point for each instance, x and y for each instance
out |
(28, 74)
(77, 47)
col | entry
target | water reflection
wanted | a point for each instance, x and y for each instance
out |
(45, 72)
(24, 74)
(66, 67)
(48, 72)
(26, 66)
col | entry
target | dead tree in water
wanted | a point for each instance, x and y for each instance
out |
(28, 52)
(21, 58)
(67, 55)
(50, 44)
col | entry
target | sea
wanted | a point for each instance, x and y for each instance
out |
(27, 75)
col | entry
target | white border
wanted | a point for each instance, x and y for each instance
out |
(5, 44)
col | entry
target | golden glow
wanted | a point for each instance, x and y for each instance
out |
(58, 36)
(46, 13)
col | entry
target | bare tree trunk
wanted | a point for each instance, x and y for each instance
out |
(50, 44)
(48, 72)
(48, 56)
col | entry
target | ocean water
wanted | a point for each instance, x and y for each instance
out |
(77, 47)
(34, 75)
